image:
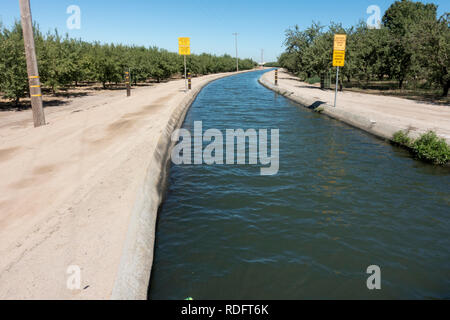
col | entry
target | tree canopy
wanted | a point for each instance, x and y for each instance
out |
(412, 44)
(64, 61)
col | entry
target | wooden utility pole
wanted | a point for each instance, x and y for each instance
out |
(32, 67)
(127, 82)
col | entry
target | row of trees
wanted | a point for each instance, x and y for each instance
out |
(413, 45)
(65, 62)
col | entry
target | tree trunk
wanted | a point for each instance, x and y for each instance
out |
(446, 87)
(400, 84)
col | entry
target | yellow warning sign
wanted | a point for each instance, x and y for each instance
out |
(340, 41)
(338, 58)
(184, 51)
(184, 46)
(184, 42)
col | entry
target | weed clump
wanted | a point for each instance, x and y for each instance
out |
(429, 147)
(401, 138)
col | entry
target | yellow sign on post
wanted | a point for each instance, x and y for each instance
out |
(184, 49)
(340, 41)
(338, 58)
(184, 46)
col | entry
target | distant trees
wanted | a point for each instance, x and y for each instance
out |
(13, 68)
(402, 20)
(411, 45)
(273, 64)
(64, 62)
(433, 54)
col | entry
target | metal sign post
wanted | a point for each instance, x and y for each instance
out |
(189, 81)
(337, 81)
(184, 48)
(340, 41)
(185, 75)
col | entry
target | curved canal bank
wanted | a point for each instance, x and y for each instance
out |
(80, 175)
(381, 116)
(342, 201)
(132, 278)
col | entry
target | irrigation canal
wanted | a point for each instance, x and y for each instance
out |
(342, 200)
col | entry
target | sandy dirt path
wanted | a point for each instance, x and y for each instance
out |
(387, 113)
(67, 189)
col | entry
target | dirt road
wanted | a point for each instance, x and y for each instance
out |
(68, 188)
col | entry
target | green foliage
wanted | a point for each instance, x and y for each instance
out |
(64, 62)
(433, 51)
(412, 45)
(401, 138)
(429, 147)
(273, 64)
(402, 19)
(313, 80)
(13, 69)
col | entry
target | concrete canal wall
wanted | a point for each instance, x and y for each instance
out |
(381, 116)
(133, 277)
(79, 196)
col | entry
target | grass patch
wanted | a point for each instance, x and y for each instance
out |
(429, 147)
(313, 80)
(401, 138)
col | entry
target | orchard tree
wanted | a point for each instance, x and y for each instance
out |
(433, 54)
(401, 18)
(13, 67)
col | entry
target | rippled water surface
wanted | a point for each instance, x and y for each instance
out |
(342, 201)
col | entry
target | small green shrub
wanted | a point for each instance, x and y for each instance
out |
(401, 138)
(313, 80)
(430, 147)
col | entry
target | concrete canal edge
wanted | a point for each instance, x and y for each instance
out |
(381, 130)
(133, 276)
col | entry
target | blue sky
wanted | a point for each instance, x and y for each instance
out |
(209, 23)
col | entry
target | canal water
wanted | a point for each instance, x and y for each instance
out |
(342, 201)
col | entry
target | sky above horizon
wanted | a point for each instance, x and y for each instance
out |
(209, 23)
